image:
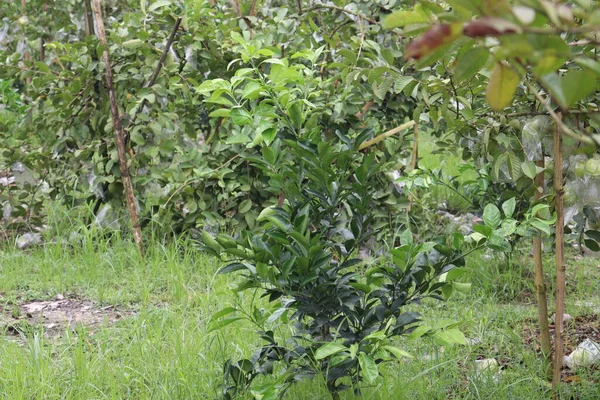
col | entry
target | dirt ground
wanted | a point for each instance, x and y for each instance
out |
(54, 317)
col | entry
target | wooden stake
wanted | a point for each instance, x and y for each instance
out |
(118, 129)
(560, 261)
(538, 270)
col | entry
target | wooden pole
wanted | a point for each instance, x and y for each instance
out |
(118, 129)
(560, 261)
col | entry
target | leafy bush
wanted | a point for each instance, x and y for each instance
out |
(302, 259)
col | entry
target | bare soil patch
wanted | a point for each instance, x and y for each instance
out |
(54, 317)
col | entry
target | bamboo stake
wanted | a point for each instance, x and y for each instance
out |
(118, 129)
(540, 285)
(387, 134)
(560, 260)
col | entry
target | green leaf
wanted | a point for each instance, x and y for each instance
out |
(368, 367)
(542, 226)
(158, 4)
(245, 206)
(450, 337)
(213, 326)
(591, 244)
(492, 216)
(403, 18)
(529, 169)
(295, 114)
(514, 166)
(210, 241)
(240, 116)
(509, 207)
(221, 112)
(588, 63)
(398, 353)
(329, 349)
(133, 44)
(501, 87)
(570, 88)
(223, 312)
(470, 63)
(401, 82)
(240, 138)
(593, 234)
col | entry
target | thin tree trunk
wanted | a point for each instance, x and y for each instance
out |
(560, 261)
(26, 54)
(118, 129)
(89, 18)
(42, 41)
(540, 285)
(415, 149)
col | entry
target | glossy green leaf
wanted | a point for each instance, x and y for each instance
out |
(508, 207)
(329, 349)
(492, 216)
(368, 367)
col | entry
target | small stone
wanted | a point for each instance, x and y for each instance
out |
(60, 297)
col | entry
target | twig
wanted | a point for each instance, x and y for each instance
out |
(25, 69)
(563, 128)
(534, 113)
(584, 42)
(558, 31)
(158, 67)
(328, 7)
(118, 130)
(387, 134)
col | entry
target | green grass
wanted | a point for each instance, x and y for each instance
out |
(164, 350)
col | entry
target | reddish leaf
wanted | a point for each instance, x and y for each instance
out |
(436, 36)
(489, 26)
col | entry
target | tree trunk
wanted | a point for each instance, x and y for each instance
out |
(118, 129)
(540, 285)
(560, 262)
